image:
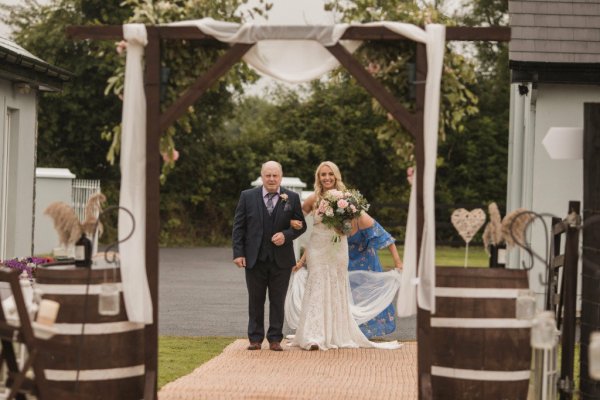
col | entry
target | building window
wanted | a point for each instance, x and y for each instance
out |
(8, 193)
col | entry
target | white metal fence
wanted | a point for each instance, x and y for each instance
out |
(82, 190)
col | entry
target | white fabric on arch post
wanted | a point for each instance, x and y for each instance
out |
(136, 292)
(406, 304)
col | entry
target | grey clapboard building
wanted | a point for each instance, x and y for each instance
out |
(555, 68)
(23, 77)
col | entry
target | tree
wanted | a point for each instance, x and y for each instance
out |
(74, 123)
(68, 132)
(475, 162)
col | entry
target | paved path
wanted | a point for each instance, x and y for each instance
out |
(299, 374)
(202, 293)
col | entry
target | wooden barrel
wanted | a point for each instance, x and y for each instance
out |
(479, 349)
(107, 361)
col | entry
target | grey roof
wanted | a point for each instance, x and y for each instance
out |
(15, 48)
(555, 31)
(17, 64)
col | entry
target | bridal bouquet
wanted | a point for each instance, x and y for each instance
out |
(338, 208)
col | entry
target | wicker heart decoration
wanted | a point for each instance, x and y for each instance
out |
(467, 223)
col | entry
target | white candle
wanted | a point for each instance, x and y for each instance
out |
(48, 312)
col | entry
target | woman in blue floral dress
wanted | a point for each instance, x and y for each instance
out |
(366, 238)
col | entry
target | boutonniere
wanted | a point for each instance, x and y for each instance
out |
(284, 197)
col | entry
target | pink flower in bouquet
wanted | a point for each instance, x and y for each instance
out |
(336, 193)
(342, 203)
(329, 212)
(322, 207)
(352, 208)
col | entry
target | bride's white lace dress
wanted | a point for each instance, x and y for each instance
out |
(325, 318)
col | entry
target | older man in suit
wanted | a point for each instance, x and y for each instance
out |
(262, 245)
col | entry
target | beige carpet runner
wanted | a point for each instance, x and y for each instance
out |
(299, 374)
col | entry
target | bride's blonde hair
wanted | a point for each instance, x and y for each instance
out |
(339, 184)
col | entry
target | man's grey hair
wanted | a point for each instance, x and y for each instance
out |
(271, 163)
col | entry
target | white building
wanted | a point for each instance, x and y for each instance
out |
(555, 65)
(22, 77)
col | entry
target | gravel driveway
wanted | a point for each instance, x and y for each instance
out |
(202, 293)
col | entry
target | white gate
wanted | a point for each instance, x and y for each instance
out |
(82, 190)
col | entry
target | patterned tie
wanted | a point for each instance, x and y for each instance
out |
(270, 205)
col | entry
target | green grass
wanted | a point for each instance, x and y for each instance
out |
(178, 356)
(445, 256)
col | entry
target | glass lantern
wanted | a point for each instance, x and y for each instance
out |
(109, 299)
(525, 308)
(594, 356)
(543, 331)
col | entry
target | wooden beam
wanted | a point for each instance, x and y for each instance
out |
(590, 279)
(570, 277)
(152, 88)
(205, 81)
(185, 32)
(423, 316)
(377, 90)
(490, 33)
(493, 33)
(102, 32)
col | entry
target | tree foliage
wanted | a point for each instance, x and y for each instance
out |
(77, 127)
(391, 63)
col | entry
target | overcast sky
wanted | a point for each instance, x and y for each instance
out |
(283, 11)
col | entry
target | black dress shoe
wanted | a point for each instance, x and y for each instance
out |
(313, 347)
(255, 346)
(275, 346)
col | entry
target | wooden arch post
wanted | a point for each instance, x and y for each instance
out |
(157, 123)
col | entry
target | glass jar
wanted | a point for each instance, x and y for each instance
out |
(543, 331)
(109, 299)
(525, 308)
(594, 356)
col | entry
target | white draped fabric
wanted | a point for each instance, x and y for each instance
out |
(292, 54)
(435, 61)
(136, 292)
(296, 54)
(408, 286)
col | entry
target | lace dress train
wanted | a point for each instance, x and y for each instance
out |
(326, 318)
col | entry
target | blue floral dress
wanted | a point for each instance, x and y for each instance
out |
(362, 248)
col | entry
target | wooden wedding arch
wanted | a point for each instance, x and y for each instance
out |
(157, 122)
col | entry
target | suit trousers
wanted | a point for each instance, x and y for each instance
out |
(266, 276)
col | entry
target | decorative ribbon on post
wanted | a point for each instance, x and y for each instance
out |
(136, 292)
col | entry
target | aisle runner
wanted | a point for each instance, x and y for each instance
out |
(299, 374)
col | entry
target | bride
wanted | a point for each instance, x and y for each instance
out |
(327, 317)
